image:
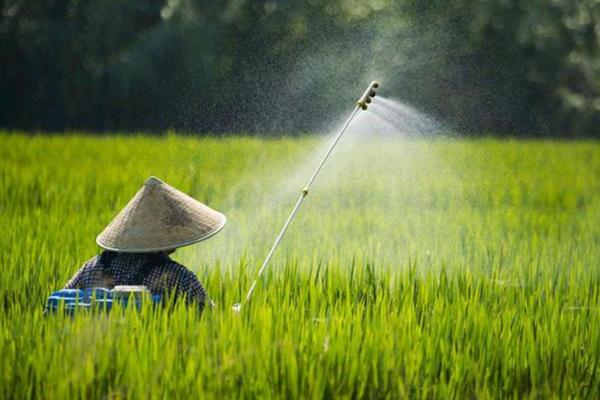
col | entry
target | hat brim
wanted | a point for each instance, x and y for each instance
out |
(170, 247)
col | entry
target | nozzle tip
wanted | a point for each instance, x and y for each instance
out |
(366, 97)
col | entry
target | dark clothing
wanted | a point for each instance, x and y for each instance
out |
(156, 271)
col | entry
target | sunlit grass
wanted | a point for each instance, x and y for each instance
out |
(416, 269)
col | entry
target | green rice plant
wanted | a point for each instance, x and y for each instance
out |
(435, 268)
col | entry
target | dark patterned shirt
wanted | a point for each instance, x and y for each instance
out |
(156, 271)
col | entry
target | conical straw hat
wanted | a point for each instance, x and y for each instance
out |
(160, 217)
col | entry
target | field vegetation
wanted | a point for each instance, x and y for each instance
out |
(417, 269)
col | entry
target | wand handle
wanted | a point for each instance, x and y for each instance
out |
(298, 204)
(361, 104)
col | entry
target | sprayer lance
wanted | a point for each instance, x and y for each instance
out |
(366, 97)
(361, 104)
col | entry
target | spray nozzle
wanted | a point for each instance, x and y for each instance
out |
(366, 97)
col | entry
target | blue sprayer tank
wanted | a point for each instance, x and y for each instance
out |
(100, 299)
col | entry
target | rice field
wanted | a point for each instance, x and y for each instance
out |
(440, 268)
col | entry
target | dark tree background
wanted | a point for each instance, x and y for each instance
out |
(483, 66)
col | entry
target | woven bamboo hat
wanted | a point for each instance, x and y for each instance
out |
(160, 217)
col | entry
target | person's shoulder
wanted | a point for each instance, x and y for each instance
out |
(177, 267)
(84, 274)
(92, 262)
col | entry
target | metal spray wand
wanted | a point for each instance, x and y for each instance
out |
(361, 104)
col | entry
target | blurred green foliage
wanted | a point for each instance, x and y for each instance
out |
(484, 66)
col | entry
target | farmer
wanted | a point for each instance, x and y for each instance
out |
(137, 243)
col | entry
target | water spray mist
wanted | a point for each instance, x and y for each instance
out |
(362, 103)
